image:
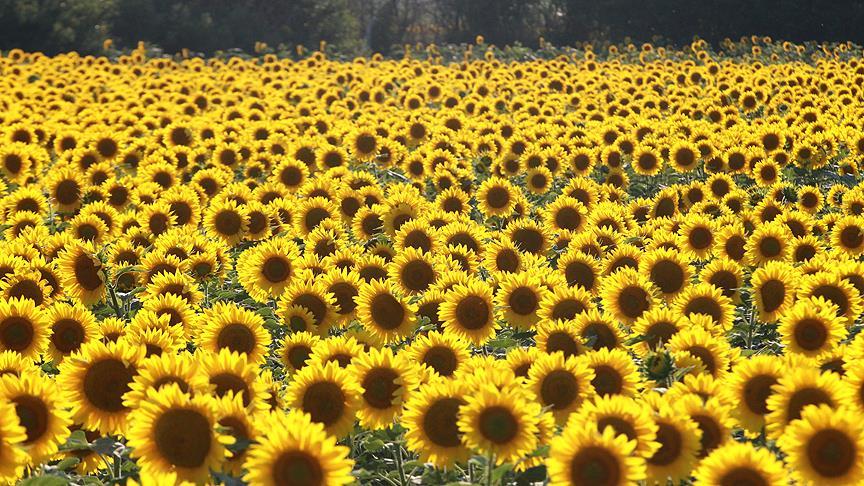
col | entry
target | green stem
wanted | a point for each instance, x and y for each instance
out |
(114, 302)
(118, 466)
(397, 454)
(490, 466)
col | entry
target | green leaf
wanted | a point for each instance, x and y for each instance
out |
(104, 446)
(77, 441)
(499, 472)
(635, 340)
(47, 480)
(375, 445)
(68, 463)
(502, 343)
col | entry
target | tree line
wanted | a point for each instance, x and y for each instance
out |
(365, 26)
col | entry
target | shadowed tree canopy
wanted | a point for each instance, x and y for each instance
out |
(361, 26)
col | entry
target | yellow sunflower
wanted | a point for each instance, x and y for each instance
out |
(38, 404)
(173, 435)
(328, 394)
(296, 450)
(431, 420)
(387, 381)
(582, 456)
(228, 326)
(825, 446)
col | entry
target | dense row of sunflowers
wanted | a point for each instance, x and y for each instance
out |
(315, 272)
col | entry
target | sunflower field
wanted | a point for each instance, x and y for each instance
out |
(469, 265)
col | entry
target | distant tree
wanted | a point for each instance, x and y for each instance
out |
(209, 25)
(499, 21)
(52, 26)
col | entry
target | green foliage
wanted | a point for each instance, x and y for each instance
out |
(211, 25)
(54, 25)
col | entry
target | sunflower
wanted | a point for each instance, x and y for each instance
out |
(731, 243)
(495, 423)
(387, 381)
(565, 213)
(345, 286)
(774, 286)
(296, 450)
(296, 350)
(582, 456)
(228, 326)
(157, 218)
(679, 439)
(315, 298)
(267, 269)
(227, 221)
(94, 380)
(614, 372)
(416, 234)
(180, 313)
(825, 446)
(233, 420)
(627, 295)
(769, 242)
(712, 355)
(328, 394)
(622, 256)
(596, 329)
(81, 273)
(291, 174)
(580, 269)
(14, 434)
(467, 312)
(711, 416)
(23, 222)
(698, 235)
(440, 353)
(810, 199)
(706, 299)
(625, 416)
(229, 373)
(65, 189)
(750, 385)
(667, 269)
(811, 327)
(157, 372)
(646, 161)
(36, 400)
(837, 291)
(431, 420)
(23, 327)
(560, 383)
(799, 388)
(413, 270)
(15, 162)
(385, 313)
(737, 463)
(173, 435)
(518, 297)
(564, 303)
(847, 234)
(341, 349)
(72, 325)
(176, 283)
(184, 205)
(725, 275)
(559, 336)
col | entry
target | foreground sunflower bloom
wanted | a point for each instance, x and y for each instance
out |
(172, 433)
(297, 451)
